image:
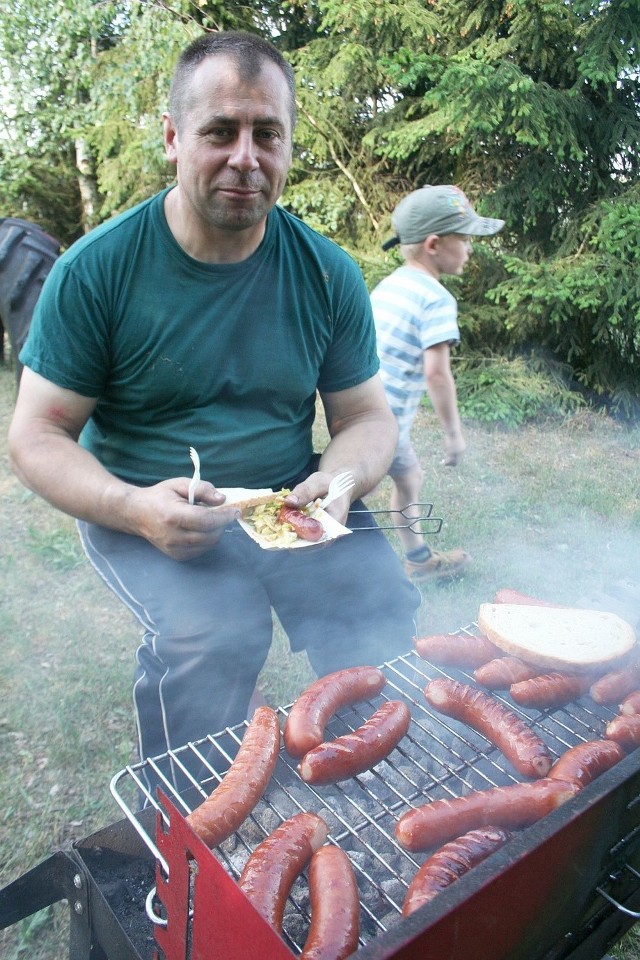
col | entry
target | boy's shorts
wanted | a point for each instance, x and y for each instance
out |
(405, 459)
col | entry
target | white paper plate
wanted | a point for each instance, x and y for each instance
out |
(332, 529)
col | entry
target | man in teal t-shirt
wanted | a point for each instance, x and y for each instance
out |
(210, 317)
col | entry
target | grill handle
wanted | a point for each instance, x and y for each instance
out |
(629, 913)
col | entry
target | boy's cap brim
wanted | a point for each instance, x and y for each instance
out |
(438, 210)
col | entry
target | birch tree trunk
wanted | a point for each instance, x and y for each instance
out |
(87, 185)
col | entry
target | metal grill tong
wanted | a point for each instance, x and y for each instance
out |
(414, 524)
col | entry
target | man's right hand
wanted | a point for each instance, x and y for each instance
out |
(182, 531)
(47, 458)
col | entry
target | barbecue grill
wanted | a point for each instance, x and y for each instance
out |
(568, 886)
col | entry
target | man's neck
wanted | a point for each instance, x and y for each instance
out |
(209, 245)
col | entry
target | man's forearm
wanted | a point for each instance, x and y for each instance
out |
(363, 434)
(71, 479)
(47, 458)
(366, 447)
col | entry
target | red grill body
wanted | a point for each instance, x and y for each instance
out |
(566, 887)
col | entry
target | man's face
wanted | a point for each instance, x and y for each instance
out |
(233, 150)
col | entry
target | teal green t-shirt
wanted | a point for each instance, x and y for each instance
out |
(225, 358)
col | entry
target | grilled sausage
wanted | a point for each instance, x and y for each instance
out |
(456, 650)
(274, 865)
(508, 808)
(522, 747)
(625, 730)
(586, 761)
(507, 595)
(549, 689)
(309, 715)
(335, 909)
(449, 863)
(352, 753)
(631, 703)
(307, 528)
(612, 687)
(500, 673)
(245, 781)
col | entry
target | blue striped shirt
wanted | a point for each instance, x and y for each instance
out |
(412, 311)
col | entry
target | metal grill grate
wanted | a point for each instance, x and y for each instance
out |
(438, 758)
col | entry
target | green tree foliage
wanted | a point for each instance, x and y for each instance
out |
(36, 151)
(584, 305)
(531, 106)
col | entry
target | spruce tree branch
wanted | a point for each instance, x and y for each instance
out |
(347, 173)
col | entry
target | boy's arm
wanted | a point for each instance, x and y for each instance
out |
(441, 388)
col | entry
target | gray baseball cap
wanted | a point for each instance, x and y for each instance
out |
(441, 209)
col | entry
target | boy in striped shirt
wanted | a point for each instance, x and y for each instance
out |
(416, 324)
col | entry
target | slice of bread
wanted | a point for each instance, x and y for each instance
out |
(246, 499)
(559, 638)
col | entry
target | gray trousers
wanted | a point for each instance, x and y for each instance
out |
(208, 622)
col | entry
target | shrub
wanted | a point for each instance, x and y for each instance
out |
(512, 391)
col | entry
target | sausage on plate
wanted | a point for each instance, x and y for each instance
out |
(305, 725)
(306, 527)
(352, 753)
(522, 747)
(226, 808)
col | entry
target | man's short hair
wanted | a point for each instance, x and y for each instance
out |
(248, 50)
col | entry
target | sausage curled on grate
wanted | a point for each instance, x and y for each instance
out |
(274, 865)
(335, 908)
(449, 863)
(456, 650)
(523, 748)
(613, 686)
(508, 808)
(351, 754)
(586, 761)
(625, 730)
(500, 673)
(229, 805)
(549, 689)
(305, 725)
(631, 703)
(508, 595)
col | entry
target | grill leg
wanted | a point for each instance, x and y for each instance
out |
(59, 877)
(82, 942)
(48, 882)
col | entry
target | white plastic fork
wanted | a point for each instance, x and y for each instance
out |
(340, 485)
(193, 453)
